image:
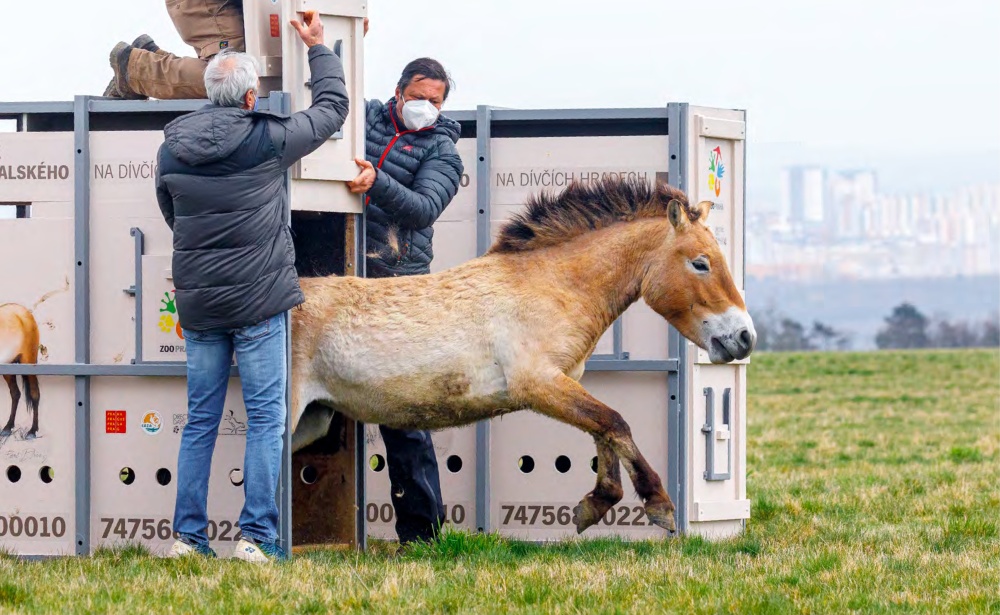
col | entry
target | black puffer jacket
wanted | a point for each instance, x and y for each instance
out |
(221, 187)
(418, 177)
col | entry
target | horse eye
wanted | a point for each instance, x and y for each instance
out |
(700, 266)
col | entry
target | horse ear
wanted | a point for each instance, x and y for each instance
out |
(703, 209)
(675, 212)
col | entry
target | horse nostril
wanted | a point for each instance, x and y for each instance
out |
(746, 338)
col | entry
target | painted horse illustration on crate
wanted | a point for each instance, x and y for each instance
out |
(20, 343)
(512, 330)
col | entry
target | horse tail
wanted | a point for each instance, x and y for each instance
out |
(31, 392)
(51, 294)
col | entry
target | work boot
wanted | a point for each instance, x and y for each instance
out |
(119, 88)
(146, 42)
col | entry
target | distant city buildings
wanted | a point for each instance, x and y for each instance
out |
(804, 196)
(837, 224)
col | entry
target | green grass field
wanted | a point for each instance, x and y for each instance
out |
(874, 480)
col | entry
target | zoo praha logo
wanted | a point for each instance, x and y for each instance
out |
(151, 423)
(715, 170)
(169, 322)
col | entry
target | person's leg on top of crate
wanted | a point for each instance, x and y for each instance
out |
(143, 70)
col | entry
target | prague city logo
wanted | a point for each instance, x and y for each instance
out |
(715, 170)
(151, 423)
(169, 323)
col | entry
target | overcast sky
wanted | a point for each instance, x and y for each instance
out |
(893, 75)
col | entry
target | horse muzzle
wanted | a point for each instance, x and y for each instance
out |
(723, 349)
(730, 336)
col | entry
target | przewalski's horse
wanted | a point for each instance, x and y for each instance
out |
(511, 330)
(19, 343)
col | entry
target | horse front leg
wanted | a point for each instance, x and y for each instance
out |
(606, 493)
(15, 397)
(563, 399)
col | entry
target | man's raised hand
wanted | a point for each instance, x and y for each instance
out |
(312, 32)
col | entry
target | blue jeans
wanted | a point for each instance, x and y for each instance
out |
(260, 354)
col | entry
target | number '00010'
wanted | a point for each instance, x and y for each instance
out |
(384, 513)
(16, 526)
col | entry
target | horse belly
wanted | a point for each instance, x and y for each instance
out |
(430, 400)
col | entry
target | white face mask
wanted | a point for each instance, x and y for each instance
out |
(419, 114)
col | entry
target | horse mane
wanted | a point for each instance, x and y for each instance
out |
(550, 219)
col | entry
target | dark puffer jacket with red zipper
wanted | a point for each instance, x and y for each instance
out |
(418, 174)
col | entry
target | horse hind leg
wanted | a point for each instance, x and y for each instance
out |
(33, 394)
(565, 400)
(15, 397)
(606, 493)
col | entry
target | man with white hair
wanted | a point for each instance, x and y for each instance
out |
(221, 187)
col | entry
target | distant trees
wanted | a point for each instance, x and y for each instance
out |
(907, 327)
(776, 331)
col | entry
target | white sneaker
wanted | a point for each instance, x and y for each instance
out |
(181, 548)
(249, 552)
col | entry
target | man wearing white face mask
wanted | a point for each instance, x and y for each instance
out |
(411, 173)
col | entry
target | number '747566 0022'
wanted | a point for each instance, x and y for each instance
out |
(153, 529)
(550, 515)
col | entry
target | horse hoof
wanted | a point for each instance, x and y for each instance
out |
(30, 436)
(5, 433)
(585, 515)
(659, 514)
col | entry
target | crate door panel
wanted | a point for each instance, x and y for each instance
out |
(136, 427)
(455, 451)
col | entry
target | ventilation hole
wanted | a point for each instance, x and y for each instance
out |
(47, 474)
(563, 464)
(127, 475)
(236, 477)
(593, 465)
(163, 476)
(454, 463)
(377, 463)
(526, 464)
(13, 474)
(309, 475)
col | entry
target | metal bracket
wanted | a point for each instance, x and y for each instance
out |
(630, 365)
(138, 243)
(711, 434)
